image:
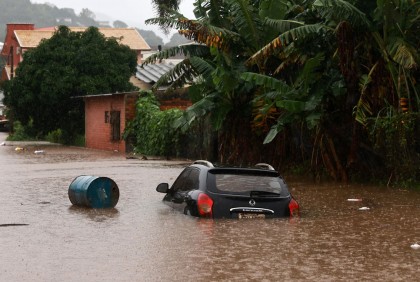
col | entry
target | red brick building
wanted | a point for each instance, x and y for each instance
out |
(105, 120)
(106, 117)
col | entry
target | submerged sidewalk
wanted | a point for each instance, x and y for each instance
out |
(28, 143)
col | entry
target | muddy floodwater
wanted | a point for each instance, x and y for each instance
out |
(44, 238)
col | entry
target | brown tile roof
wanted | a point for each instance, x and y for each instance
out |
(32, 38)
(128, 36)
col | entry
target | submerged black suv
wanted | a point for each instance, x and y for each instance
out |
(218, 192)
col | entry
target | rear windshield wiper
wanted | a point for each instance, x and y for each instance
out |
(263, 194)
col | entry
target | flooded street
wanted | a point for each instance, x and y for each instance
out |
(44, 238)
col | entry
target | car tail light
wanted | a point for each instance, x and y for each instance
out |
(293, 208)
(205, 205)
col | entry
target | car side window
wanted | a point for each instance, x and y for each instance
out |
(193, 178)
(187, 180)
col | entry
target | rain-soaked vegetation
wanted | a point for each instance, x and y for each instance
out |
(329, 88)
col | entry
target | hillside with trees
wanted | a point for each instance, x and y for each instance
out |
(46, 15)
(42, 15)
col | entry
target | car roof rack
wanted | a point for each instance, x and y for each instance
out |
(265, 166)
(204, 162)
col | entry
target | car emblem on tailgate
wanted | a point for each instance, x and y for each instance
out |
(252, 202)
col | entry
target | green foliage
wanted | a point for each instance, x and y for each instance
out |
(79, 141)
(340, 10)
(55, 136)
(153, 129)
(20, 132)
(396, 137)
(67, 65)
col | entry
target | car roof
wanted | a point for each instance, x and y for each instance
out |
(260, 168)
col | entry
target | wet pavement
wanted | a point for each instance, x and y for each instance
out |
(44, 238)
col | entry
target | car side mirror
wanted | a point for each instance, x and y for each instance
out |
(163, 188)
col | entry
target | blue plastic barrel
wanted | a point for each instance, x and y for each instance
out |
(93, 192)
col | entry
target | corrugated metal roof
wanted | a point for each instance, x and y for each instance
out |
(151, 73)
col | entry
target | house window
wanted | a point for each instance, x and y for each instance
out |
(106, 117)
(115, 125)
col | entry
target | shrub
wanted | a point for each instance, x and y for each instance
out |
(20, 132)
(55, 136)
(153, 129)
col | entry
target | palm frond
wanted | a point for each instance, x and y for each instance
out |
(267, 82)
(363, 108)
(292, 106)
(185, 72)
(193, 50)
(404, 54)
(286, 38)
(202, 67)
(210, 9)
(302, 32)
(210, 35)
(246, 20)
(177, 77)
(309, 70)
(169, 18)
(282, 25)
(340, 10)
(197, 110)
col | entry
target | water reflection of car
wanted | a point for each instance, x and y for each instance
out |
(219, 192)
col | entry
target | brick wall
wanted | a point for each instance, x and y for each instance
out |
(98, 131)
(11, 41)
(174, 103)
(130, 106)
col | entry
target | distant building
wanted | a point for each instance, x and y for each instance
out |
(23, 37)
(104, 23)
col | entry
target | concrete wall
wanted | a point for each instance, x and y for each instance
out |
(98, 130)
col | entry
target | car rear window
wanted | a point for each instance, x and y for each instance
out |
(240, 183)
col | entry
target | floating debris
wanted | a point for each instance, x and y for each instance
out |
(415, 246)
(3, 144)
(18, 149)
(364, 209)
(354, 200)
(44, 203)
(93, 192)
(13, 224)
(39, 152)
